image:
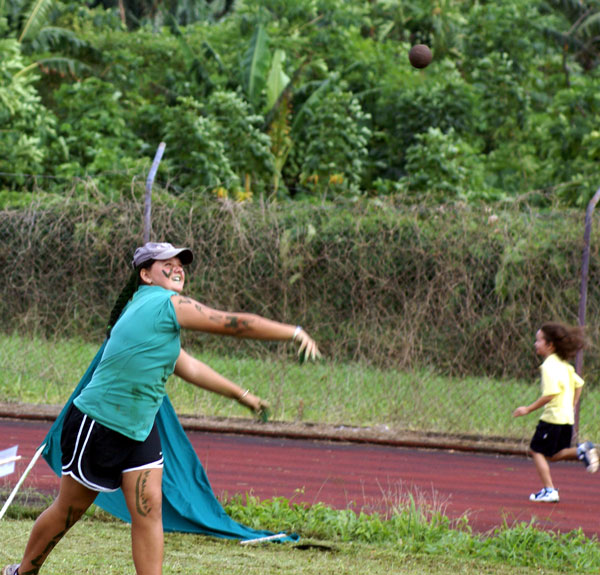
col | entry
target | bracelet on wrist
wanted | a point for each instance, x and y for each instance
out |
(296, 332)
(243, 395)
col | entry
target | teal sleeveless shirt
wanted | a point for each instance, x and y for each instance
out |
(128, 386)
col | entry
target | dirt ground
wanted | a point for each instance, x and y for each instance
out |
(381, 434)
(375, 476)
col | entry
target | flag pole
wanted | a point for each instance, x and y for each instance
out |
(20, 482)
(10, 459)
(263, 539)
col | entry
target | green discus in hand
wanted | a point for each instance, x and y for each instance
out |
(263, 414)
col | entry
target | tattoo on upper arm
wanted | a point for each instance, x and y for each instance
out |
(234, 322)
(184, 300)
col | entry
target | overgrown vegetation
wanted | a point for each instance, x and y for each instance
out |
(303, 99)
(414, 538)
(459, 291)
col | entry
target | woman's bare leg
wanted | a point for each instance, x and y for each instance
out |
(72, 502)
(143, 494)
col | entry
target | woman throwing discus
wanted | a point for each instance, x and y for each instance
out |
(109, 438)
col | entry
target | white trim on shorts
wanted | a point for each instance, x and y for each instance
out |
(158, 464)
(91, 486)
(76, 442)
(83, 480)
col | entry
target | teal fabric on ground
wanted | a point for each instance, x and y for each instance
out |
(189, 504)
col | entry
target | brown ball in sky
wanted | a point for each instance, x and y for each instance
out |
(420, 56)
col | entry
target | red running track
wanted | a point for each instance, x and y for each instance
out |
(489, 489)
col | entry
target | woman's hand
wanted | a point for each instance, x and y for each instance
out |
(307, 346)
(259, 406)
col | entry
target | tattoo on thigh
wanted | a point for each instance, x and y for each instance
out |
(142, 504)
(73, 516)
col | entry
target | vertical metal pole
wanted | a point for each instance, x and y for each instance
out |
(585, 271)
(148, 196)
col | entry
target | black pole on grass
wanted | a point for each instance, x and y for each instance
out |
(585, 272)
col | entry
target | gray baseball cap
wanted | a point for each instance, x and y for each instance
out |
(160, 251)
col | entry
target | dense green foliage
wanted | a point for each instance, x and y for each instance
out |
(302, 98)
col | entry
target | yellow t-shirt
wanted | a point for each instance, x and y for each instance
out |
(559, 379)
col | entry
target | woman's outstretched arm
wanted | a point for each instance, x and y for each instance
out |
(194, 315)
(198, 373)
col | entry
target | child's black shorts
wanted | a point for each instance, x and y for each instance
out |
(550, 438)
(97, 456)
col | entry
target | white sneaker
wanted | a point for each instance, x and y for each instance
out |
(588, 453)
(546, 495)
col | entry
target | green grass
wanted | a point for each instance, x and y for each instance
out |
(412, 539)
(192, 555)
(35, 370)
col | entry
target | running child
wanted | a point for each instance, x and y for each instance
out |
(561, 388)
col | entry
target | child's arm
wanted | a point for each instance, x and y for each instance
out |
(539, 402)
(576, 396)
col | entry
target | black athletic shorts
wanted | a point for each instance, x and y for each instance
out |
(96, 456)
(550, 438)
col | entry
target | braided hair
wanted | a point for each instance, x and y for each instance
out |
(567, 341)
(132, 285)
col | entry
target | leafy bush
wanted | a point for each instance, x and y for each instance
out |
(247, 148)
(332, 145)
(442, 167)
(568, 144)
(504, 100)
(197, 157)
(27, 126)
(512, 84)
(404, 114)
(94, 136)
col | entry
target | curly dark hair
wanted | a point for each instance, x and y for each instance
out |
(567, 341)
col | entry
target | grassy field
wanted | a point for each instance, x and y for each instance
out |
(192, 555)
(414, 539)
(41, 371)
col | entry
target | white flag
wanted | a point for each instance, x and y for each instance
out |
(7, 460)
